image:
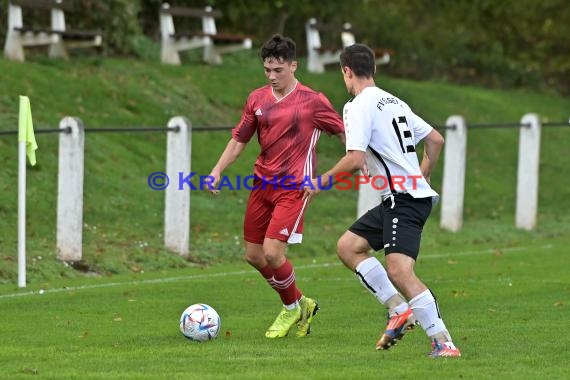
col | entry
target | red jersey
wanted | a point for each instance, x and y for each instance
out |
(287, 130)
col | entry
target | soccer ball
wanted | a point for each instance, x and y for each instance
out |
(200, 322)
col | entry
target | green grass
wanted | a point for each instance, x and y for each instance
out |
(503, 292)
(123, 218)
(505, 307)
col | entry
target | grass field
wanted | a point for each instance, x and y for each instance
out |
(504, 293)
(506, 308)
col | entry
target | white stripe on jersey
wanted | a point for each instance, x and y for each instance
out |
(308, 169)
(296, 237)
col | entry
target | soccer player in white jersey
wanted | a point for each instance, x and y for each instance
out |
(381, 136)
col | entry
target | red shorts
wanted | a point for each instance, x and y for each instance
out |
(274, 213)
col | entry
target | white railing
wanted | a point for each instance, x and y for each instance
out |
(70, 188)
(178, 160)
(454, 169)
(453, 184)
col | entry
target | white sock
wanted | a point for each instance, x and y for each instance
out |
(400, 309)
(373, 277)
(292, 306)
(426, 312)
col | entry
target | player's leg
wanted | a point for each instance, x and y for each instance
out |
(255, 257)
(353, 250)
(423, 303)
(284, 277)
(256, 220)
(406, 221)
(286, 227)
(258, 216)
(283, 272)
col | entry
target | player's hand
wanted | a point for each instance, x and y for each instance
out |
(212, 187)
(311, 190)
(364, 170)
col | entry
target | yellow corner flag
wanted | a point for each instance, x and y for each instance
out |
(26, 129)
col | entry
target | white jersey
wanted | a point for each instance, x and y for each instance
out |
(383, 126)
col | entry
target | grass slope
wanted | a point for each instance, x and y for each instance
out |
(123, 218)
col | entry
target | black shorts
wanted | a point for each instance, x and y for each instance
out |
(397, 229)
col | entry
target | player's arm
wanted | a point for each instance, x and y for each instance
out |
(241, 135)
(352, 161)
(233, 150)
(327, 119)
(432, 148)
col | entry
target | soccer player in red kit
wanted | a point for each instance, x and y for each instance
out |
(288, 118)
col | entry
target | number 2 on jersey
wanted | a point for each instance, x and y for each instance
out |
(403, 132)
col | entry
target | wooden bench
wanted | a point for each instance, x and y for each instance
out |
(318, 55)
(57, 36)
(214, 44)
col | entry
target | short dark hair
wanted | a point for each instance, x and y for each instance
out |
(360, 58)
(279, 47)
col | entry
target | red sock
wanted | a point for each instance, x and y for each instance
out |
(267, 273)
(284, 278)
